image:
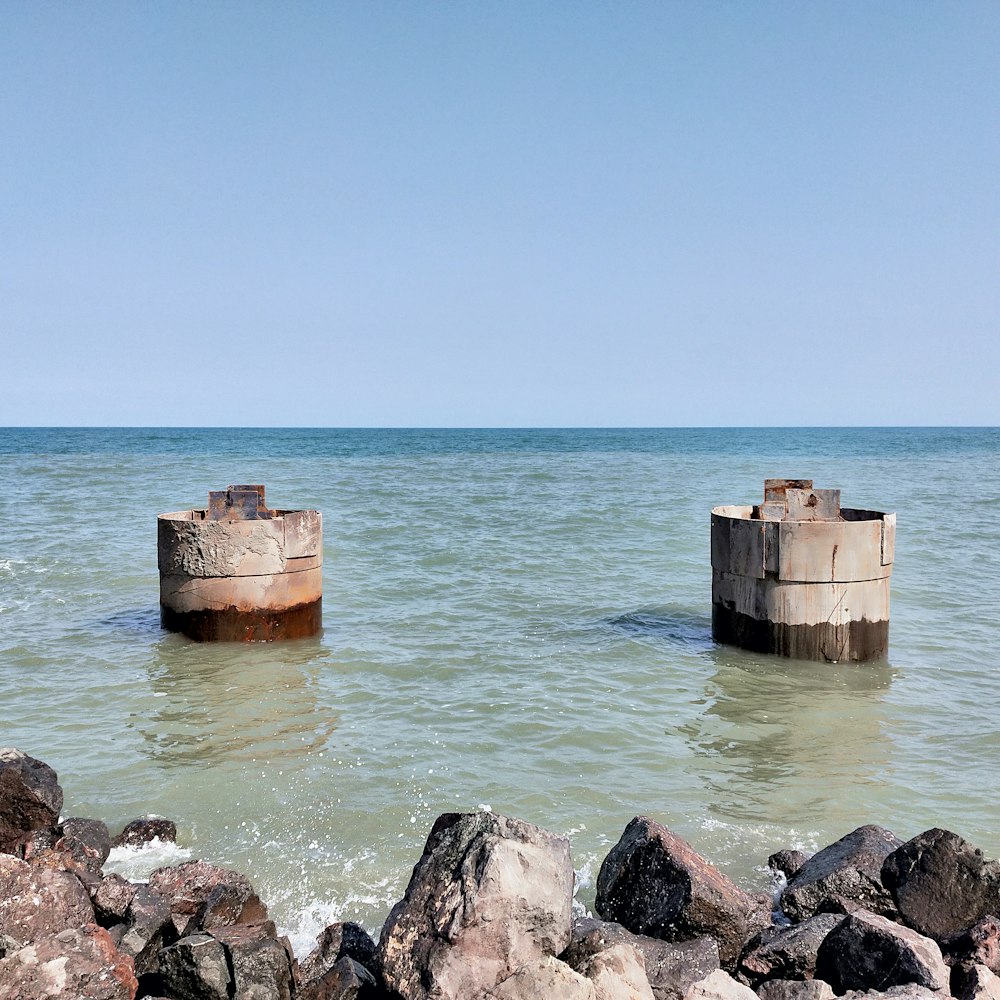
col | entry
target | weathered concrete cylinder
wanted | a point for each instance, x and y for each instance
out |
(800, 576)
(237, 571)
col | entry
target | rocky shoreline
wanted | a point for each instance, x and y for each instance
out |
(488, 915)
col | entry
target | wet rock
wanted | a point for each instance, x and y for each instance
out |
(655, 883)
(618, 973)
(195, 968)
(140, 832)
(38, 902)
(489, 895)
(340, 940)
(979, 945)
(795, 989)
(671, 967)
(971, 981)
(787, 952)
(73, 964)
(942, 884)
(545, 977)
(30, 798)
(845, 876)
(868, 952)
(87, 841)
(259, 962)
(203, 896)
(719, 985)
(346, 979)
(112, 898)
(788, 862)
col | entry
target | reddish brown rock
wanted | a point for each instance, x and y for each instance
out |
(30, 798)
(979, 945)
(39, 902)
(112, 898)
(654, 883)
(844, 876)
(203, 896)
(489, 895)
(74, 964)
(942, 884)
(86, 841)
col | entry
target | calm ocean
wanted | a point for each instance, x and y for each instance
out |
(513, 619)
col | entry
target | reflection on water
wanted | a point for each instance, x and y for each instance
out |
(231, 702)
(781, 740)
(669, 624)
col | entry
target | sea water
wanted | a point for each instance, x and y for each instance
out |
(516, 620)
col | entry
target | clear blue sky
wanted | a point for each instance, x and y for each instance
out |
(486, 214)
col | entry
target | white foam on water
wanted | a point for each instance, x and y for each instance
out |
(137, 863)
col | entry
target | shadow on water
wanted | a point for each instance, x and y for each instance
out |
(132, 622)
(786, 739)
(670, 624)
(215, 703)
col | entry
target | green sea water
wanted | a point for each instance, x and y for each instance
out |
(515, 620)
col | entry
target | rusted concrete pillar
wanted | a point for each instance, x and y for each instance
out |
(238, 571)
(801, 576)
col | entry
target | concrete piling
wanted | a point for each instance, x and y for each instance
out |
(238, 571)
(800, 576)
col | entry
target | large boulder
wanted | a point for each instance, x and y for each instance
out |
(86, 841)
(868, 952)
(655, 883)
(147, 926)
(73, 964)
(545, 977)
(203, 896)
(671, 967)
(787, 952)
(39, 902)
(489, 895)
(941, 884)
(844, 876)
(618, 973)
(30, 798)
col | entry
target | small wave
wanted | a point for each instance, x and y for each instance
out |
(682, 627)
(137, 863)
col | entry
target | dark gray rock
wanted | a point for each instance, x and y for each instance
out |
(346, 979)
(148, 927)
(908, 991)
(30, 798)
(787, 952)
(941, 884)
(672, 968)
(112, 898)
(195, 968)
(789, 862)
(868, 952)
(971, 981)
(795, 989)
(203, 896)
(654, 883)
(489, 895)
(260, 963)
(340, 940)
(843, 877)
(142, 831)
(39, 902)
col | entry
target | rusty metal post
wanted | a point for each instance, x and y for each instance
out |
(239, 571)
(798, 575)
